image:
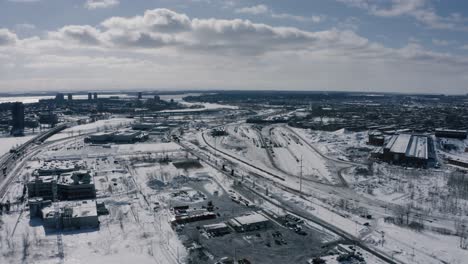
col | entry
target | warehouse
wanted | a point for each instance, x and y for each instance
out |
(412, 150)
(123, 137)
(251, 222)
(449, 133)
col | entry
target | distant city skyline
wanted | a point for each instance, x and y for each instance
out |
(404, 46)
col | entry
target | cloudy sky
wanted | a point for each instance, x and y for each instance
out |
(359, 45)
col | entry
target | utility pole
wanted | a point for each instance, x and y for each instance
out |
(300, 178)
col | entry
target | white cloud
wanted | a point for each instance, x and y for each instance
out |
(263, 9)
(418, 9)
(464, 47)
(253, 10)
(23, 1)
(95, 4)
(7, 37)
(441, 42)
(159, 46)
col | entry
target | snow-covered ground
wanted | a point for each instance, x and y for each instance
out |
(98, 126)
(7, 143)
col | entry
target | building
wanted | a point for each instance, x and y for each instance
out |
(60, 97)
(219, 229)
(43, 187)
(36, 205)
(70, 97)
(75, 186)
(95, 96)
(411, 150)
(251, 222)
(143, 126)
(90, 96)
(449, 133)
(55, 169)
(71, 215)
(376, 138)
(67, 186)
(17, 114)
(48, 118)
(140, 95)
(123, 137)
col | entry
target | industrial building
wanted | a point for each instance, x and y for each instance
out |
(124, 137)
(412, 150)
(71, 215)
(376, 138)
(251, 222)
(450, 133)
(68, 186)
(17, 114)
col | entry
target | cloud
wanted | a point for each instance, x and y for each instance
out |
(160, 45)
(263, 9)
(253, 10)
(23, 1)
(418, 9)
(441, 42)
(464, 47)
(85, 35)
(314, 19)
(95, 4)
(157, 20)
(7, 37)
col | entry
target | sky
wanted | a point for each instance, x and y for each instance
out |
(409, 46)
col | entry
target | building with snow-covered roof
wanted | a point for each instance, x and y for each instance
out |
(408, 149)
(121, 137)
(250, 222)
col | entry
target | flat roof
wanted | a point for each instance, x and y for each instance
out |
(251, 219)
(82, 208)
(215, 226)
(450, 130)
(400, 144)
(418, 147)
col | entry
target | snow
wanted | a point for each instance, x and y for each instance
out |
(7, 143)
(400, 144)
(100, 125)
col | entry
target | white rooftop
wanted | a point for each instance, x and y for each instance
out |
(250, 219)
(400, 144)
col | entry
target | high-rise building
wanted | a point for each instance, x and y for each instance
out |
(140, 95)
(70, 97)
(17, 114)
(90, 96)
(95, 96)
(60, 97)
